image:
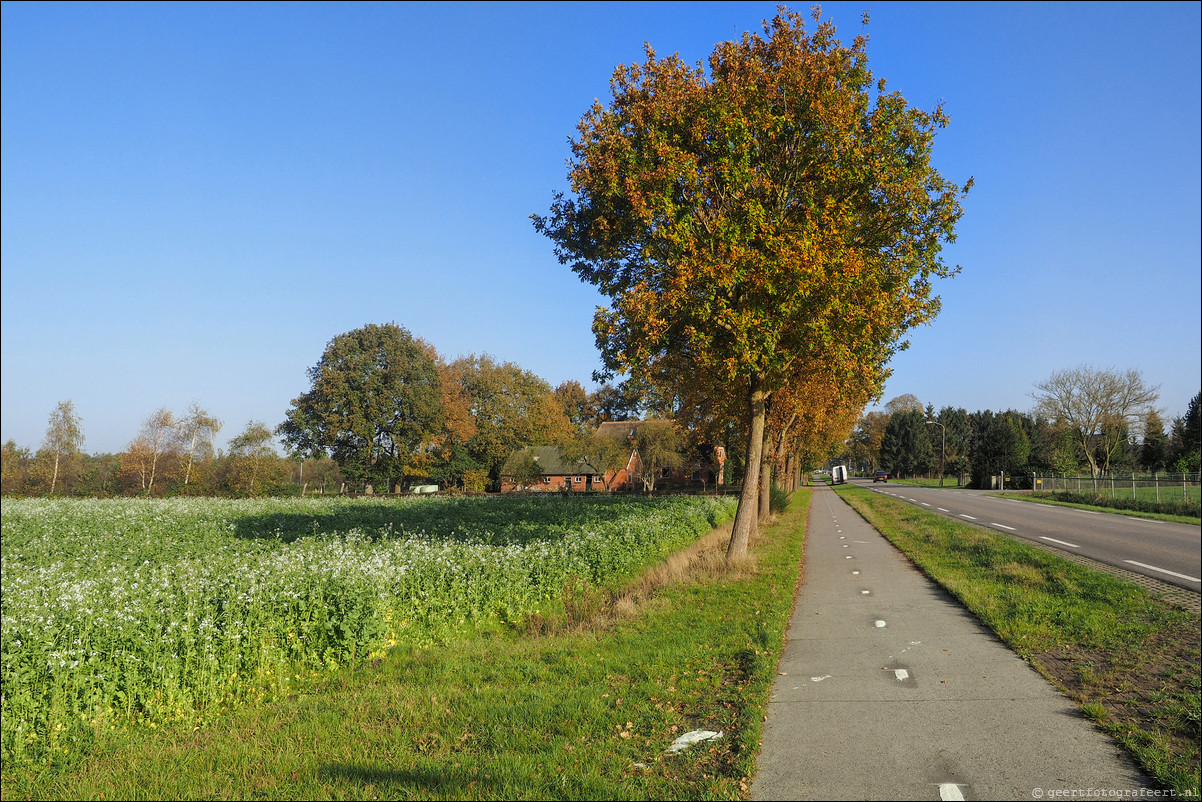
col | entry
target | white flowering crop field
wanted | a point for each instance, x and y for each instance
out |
(136, 610)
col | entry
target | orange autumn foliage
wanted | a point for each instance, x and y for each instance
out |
(777, 209)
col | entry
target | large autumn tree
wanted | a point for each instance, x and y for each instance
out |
(375, 400)
(510, 408)
(780, 205)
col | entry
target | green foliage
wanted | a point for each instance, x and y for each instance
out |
(375, 398)
(1001, 445)
(1153, 453)
(906, 445)
(1187, 440)
(659, 444)
(607, 454)
(512, 408)
(624, 402)
(523, 466)
(453, 467)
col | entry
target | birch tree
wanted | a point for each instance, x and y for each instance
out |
(143, 454)
(64, 436)
(197, 432)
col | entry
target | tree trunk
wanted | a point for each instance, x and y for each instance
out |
(767, 456)
(771, 461)
(54, 478)
(191, 455)
(748, 512)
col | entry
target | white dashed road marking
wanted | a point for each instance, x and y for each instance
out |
(1061, 542)
(1163, 571)
(1003, 526)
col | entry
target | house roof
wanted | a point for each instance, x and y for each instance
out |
(551, 462)
(622, 429)
(618, 429)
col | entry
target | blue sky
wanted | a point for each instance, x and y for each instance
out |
(198, 197)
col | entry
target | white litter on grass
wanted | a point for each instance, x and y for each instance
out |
(690, 738)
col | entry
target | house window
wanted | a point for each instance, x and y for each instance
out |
(577, 480)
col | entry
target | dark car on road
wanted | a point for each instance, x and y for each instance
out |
(880, 476)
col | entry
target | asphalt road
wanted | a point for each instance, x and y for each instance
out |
(1169, 552)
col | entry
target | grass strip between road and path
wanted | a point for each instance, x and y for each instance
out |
(1055, 502)
(1045, 498)
(581, 704)
(1128, 659)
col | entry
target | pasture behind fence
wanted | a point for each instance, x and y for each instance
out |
(1155, 487)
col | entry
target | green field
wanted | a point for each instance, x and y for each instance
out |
(159, 611)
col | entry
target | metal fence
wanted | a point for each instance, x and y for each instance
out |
(1146, 486)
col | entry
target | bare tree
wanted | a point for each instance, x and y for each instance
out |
(64, 436)
(1100, 407)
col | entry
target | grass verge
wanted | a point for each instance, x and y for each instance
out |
(578, 705)
(1156, 516)
(922, 481)
(1130, 661)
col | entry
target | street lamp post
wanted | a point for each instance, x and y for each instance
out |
(943, 450)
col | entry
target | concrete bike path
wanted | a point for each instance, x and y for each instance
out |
(889, 689)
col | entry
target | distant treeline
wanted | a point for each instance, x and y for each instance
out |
(28, 473)
(910, 440)
(383, 412)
